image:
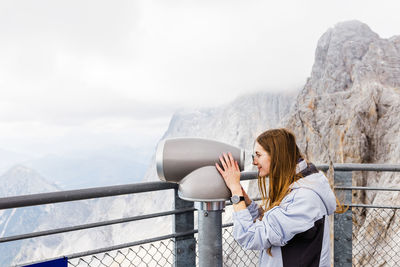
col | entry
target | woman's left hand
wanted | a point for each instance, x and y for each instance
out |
(230, 172)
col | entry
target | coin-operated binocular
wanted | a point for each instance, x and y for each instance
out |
(190, 162)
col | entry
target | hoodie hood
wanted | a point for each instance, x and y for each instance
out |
(317, 182)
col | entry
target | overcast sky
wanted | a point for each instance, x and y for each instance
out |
(84, 74)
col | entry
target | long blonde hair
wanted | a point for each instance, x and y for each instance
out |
(281, 146)
(284, 153)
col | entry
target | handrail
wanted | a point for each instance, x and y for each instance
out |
(372, 206)
(93, 225)
(81, 194)
(116, 190)
(366, 188)
(361, 167)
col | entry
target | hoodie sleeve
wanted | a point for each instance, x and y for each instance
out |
(296, 214)
(253, 209)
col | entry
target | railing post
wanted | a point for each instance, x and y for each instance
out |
(343, 224)
(210, 233)
(185, 246)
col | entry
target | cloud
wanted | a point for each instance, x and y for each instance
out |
(75, 108)
(68, 67)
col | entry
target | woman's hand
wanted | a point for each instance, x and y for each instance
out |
(230, 172)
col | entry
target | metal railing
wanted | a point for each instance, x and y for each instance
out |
(179, 248)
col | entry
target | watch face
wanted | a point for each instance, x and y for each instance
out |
(235, 199)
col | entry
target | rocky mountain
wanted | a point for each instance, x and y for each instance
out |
(21, 180)
(8, 159)
(349, 112)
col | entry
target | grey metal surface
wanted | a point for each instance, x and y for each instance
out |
(98, 224)
(159, 160)
(178, 157)
(373, 206)
(245, 176)
(80, 194)
(242, 159)
(361, 167)
(204, 184)
(210, 206)
(343, 225)
(184, 246)
(366, 188)
(210, 238)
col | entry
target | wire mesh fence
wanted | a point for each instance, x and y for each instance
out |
(233, 254)
(376, 237)
(375, 242)
(161, 253)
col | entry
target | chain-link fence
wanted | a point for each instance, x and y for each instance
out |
(233, 254)
(161, 253)
(376, 237)
(375, 242)
(365, 235)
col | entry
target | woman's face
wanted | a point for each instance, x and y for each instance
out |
(261, 159)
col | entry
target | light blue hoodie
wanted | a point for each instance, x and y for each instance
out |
(302, 212)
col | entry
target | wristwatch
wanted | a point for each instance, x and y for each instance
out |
(235, 199)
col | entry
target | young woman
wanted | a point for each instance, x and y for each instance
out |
(291, 228)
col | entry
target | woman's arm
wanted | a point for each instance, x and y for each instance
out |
(247, 200)
(253, 208)
(280, 224)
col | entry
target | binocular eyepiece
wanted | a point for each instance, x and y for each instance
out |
(190, 162)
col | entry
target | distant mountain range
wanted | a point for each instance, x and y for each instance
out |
(82, 169)
(21, 180)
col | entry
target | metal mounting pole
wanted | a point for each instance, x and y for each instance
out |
(185, 246)
(210, 233)
(343, 224)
